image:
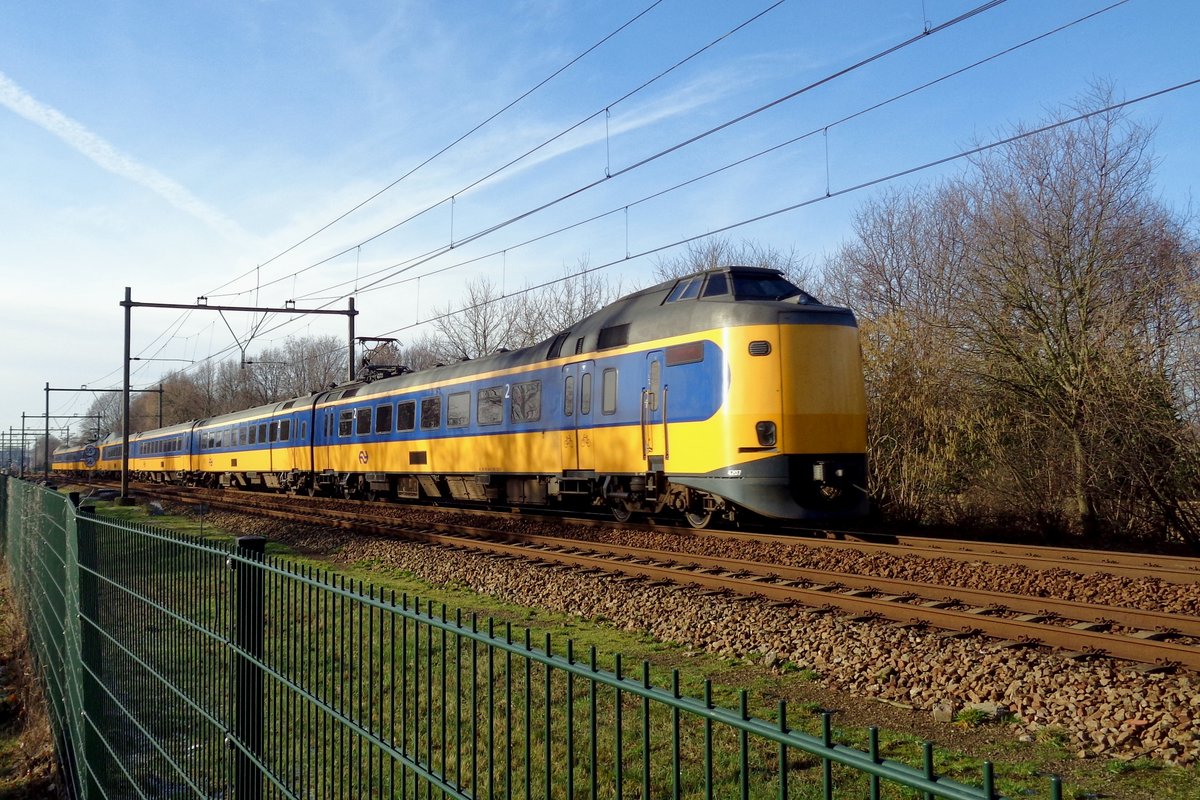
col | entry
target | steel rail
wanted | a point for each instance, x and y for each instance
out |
(985, 600)
(1173, 569)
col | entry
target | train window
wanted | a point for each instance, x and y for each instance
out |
(303, 430)
(686, 289)
(614, 336)
(688, 353)
(655, 383)
(489, 407)
(285, 430)
(556, 345)
(406, 414)
(569, 395)
(383, 419)
(718, 284)
(608, 392)
(262, 432)
(431, 413)
(273, 432)
(243, 435)
(526, 402)
(362, 421)
(346, 422)
(585, 394)
(458, 410)
(253, 436)
(768, 287)
(678, 290)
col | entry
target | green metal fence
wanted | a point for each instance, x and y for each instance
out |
(180, 668)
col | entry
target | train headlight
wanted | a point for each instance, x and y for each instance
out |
(766, 433)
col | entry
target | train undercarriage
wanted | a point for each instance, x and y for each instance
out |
(650, 493)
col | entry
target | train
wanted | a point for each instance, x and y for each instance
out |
(720, 394)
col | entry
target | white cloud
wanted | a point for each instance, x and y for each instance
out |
(109, 158)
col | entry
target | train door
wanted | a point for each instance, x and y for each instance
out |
(577, 450)
(655, 445)
(301, 452)
(583, 416)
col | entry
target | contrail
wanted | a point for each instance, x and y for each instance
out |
(108, 157)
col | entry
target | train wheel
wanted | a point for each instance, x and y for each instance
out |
(620, 511)
(698, 520)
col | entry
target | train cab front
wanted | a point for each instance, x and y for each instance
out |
(798, 415)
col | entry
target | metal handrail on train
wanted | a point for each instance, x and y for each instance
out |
(666, 436)
(645, 439)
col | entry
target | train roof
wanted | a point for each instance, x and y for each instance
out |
(640, 316)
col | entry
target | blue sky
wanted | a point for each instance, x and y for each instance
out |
(173, 147)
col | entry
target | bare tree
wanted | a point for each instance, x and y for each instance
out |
(542, 313)
(1073, 260)
(107, 406)
(1044, 306)
(901, 276)
(422, 352)
(481, 323)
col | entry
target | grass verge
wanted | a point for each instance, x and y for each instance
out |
(1021, 767)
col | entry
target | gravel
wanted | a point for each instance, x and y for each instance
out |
(1104, 707)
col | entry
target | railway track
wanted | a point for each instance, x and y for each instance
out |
(1159, 640)
(1170, 568)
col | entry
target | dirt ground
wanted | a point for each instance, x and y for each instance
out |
(28, 770)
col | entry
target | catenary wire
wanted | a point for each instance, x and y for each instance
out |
(452, 144)
(400, 268)
(518, 159)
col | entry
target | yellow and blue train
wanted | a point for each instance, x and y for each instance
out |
(724, 391)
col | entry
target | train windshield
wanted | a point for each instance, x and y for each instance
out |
(768, 287)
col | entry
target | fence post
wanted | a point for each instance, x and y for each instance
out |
(248, 718)
(93, 776)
